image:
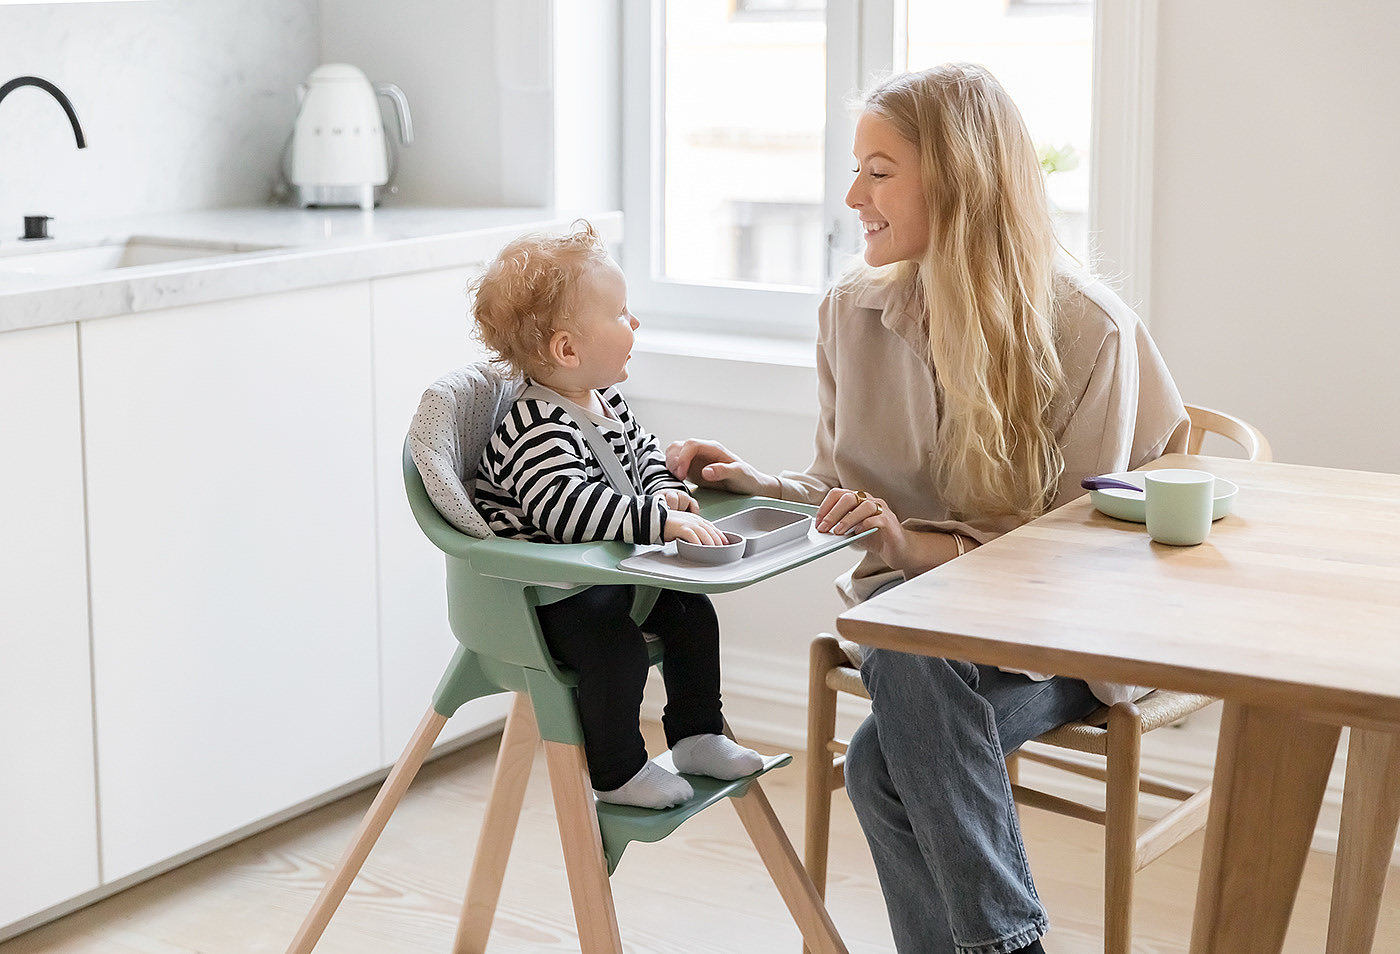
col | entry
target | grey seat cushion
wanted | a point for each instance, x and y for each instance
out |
(454, 422)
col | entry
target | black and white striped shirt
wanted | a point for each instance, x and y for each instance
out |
(540, 480)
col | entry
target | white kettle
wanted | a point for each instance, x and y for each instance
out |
(339, 152)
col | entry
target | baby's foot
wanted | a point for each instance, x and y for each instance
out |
(652, 787)
(717, 756)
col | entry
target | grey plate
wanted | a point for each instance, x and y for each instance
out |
(764, 528)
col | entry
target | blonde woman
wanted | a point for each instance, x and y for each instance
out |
(967, 382)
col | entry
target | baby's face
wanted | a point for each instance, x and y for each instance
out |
(603, 324)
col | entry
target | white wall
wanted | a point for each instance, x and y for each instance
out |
(1276, 236)
(443, 56)
(185, 104)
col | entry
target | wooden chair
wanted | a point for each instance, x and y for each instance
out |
(1112, 735)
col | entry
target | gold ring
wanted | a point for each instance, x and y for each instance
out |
(861, 497)
(879, 509)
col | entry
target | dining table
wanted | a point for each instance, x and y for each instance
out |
(1289, 612)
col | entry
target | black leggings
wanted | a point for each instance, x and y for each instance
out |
(593, 634)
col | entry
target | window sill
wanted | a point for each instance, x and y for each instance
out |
(724, 370)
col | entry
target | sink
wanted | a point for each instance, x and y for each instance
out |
(70, 258)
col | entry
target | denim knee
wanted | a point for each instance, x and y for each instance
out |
(866, 780)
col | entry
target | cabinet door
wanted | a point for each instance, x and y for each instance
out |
(48, 811)
(231, 509)
(422, 329)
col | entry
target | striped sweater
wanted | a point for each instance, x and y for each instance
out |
(539, 479)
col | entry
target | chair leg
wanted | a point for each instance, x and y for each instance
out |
(370, 827)
(1120, 826)
(803, 902)
(1370, 813)
(821, 729)
(583, 849)
(513, 763)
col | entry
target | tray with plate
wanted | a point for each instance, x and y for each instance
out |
(1131, 505)
(773, 538)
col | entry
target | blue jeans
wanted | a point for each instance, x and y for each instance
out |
(927, 777)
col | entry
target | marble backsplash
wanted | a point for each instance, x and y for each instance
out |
(186, 104)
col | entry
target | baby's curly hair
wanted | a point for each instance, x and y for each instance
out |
(524, 295)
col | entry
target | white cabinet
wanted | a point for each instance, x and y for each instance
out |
(231, 497)
(48, 814)
(422, 329)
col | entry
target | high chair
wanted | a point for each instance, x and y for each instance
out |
(493, 587)
(1110, 735)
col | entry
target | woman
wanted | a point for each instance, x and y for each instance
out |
(967, 382)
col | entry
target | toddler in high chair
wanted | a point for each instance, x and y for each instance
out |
(554, 310)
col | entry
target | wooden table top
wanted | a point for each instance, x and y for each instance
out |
(1292, 602)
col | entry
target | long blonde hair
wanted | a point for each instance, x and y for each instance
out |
(987, 284)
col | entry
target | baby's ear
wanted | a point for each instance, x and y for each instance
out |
(561, 350)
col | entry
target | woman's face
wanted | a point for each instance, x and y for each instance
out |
(888, 193)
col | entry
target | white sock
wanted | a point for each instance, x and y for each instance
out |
(717, 756)
(652, 787)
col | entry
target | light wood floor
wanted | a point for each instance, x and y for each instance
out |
(701, 890)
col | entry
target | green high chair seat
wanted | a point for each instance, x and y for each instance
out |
(493, 587)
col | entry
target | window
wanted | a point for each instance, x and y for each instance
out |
(738, 129)
(1042, 51)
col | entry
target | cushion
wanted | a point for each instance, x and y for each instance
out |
(453, 424)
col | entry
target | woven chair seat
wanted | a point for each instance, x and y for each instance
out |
(1156, 709)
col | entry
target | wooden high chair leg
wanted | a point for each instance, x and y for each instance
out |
(800, 895)
(594, 913)
(370, 827)
(512, 773)
(1370, 812)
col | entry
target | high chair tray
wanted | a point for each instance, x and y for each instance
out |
(570, 565)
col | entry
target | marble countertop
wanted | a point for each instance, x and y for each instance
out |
(260, 251)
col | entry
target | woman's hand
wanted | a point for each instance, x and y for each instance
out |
(711, 464)
(691, 527)
(679, 500)
(850, 511)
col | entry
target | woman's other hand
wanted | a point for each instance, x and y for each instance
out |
(679, 500)
(711, 464)
(691, 527)
(847, 511)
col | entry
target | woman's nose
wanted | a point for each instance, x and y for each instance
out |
(853, 197)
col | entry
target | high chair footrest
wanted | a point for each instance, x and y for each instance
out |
(621, 824)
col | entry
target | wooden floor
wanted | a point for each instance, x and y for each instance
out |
(701, 890)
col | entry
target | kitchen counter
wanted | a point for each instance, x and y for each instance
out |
(269, 249)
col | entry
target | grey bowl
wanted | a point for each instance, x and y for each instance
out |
(712, 555)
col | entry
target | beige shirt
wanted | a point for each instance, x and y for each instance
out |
(879, 403)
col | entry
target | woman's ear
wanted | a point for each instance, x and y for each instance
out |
(561, 350)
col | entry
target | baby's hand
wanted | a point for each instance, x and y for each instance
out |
(691, 527)
(679, 500)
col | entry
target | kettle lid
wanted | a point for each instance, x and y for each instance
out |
(337, 72)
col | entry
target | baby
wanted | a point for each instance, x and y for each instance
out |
(554, 310)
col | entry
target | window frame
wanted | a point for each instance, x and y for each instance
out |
(864, 39)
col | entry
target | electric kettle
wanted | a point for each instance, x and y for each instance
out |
(339, 153)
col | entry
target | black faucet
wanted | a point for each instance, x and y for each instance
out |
(37, 226)
(53, 91)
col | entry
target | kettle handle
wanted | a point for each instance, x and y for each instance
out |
(400, 101)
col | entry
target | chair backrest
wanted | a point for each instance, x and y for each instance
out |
(1205, 421)
(455, 419)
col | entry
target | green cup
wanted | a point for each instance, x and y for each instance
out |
(1179, 505)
